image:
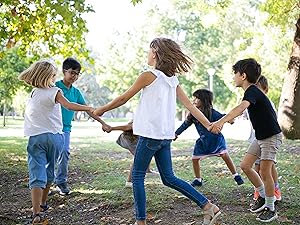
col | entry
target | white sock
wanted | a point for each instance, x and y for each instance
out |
(261, 191)
(234, 175)
(199, 179)
(270, 203)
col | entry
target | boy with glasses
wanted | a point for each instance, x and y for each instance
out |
(71, 70)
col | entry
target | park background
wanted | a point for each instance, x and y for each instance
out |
(111, 40)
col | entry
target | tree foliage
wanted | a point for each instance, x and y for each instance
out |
(43, 27)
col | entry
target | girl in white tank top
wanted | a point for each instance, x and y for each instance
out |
(154, 122)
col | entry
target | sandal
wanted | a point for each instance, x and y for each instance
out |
(214, 215)
(38, 219)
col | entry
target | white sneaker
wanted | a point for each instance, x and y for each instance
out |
(128, 184)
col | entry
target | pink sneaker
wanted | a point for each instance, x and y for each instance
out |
(255, 195)
(277, 194)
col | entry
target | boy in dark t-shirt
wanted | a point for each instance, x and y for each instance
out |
(267, 132)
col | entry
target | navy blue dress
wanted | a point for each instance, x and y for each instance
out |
(209, 144)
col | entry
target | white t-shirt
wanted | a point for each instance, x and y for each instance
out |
(43, 114)
(155, 114)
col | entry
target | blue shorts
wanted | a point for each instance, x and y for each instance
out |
(42, 150)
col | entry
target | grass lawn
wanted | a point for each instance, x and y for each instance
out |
(98, 170)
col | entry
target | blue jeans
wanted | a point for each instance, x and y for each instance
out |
(63, 157)
(161, 150)
(42, 150)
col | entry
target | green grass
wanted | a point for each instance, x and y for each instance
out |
(98, 168)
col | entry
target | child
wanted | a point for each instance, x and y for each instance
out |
(262, 84)
(208, 144)
(71, 70)
(43, 125)
(267, 132)
(154, 123)
(128, 141)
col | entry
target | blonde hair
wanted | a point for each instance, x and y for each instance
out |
(170, 58)
(39, 74)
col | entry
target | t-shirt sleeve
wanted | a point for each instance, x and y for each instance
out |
(250, 96)
(53, 93)
(80, 99)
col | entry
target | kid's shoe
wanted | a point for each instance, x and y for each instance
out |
(277, 194)
(255, 195)
(238, 179)
(267, 215)
(196, 183)
(45, 207)
(63, 189)
(258, 205)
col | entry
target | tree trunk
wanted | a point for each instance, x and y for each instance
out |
(4, 115)
(289, 107)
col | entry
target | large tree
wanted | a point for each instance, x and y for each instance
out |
(284, 13)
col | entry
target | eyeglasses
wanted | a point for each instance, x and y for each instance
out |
(73, 72)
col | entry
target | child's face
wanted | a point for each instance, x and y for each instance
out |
(71, 75)
(239, 79)
(151, 57)
(196, 102)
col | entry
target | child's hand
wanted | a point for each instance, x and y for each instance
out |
(231, 121)
(216, 127)
(106, 128)
(99, 111)
(91, 110)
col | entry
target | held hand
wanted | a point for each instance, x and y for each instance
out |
(216, 127)
(106, 128)
(99, 111)
(91, 109)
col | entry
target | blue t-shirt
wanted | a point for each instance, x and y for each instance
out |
(208, 143)
(73, 94)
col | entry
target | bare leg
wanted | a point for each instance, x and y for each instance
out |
(45, 194)
(246, 166)
(227, 159)
(129, 178)
(257, 168)
(196, 167)
(266, 175)
(274, 173)
(141, 222)
(36, 198)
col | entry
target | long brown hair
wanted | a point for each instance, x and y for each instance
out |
(170, 58)
(206, 98)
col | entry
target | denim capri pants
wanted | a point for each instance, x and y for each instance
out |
(42, 150)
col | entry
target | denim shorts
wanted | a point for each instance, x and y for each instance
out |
(42, 150)
(266, 149)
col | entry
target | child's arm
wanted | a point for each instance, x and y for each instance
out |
(70, 105)
(195, 112)
(97, 118)
(126, 127)
(186, 124)
(142, 81)
(238, 110)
